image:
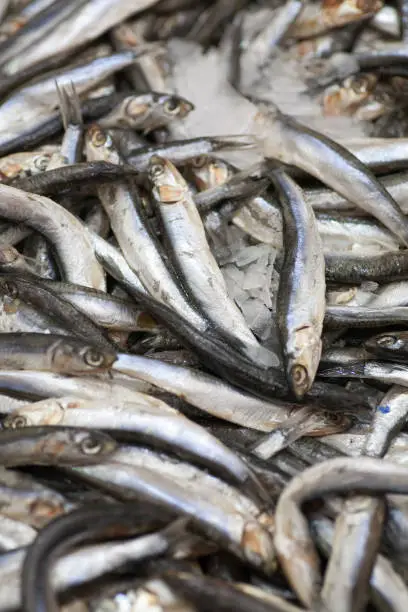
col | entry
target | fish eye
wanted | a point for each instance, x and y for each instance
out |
(93, 357)
(90, 445)
(98, 138)
(172, 106)
(156, 170)
(199, 162)
(16, 422)
(42, 162)
(387, 341)
(299, 375)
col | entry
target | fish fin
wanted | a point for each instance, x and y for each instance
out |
(237, 141)
(70, 106)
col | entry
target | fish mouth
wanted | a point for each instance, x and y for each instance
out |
(299, 380)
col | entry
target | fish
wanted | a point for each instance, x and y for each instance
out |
(29, 290)
(388, 372)
(53, 446)
(151, 419)
(315, 20)
(291, 142)
(241, 533)
(72, 142)
(291, 529)
(135, 236)
(124, 519)
(62, 228)
(208, 393)
(390, 346)
(365, 316)
(54, 353)
(384, 579)
(203, 302)
(147, 112)
(195, 261)
(178, 152)
(357, 269)
(301, 297)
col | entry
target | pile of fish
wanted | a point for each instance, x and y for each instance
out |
(203, 306)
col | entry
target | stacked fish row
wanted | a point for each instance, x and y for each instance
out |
(160, 448)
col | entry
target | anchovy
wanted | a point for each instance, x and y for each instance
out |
(210, 592)
(28, 102)
(149, 74)
(178, 152)
(82, 177)
(291, 142)
(141, 249)
(294, 546)
(31, 383)
(64, 533)
(65, 231)
(147, 112)
(301, 296)
(389, 373)
(205, 392)
(30, 290)
(54, 446)
(241, 533)
(106, 310)
(387, 585)
(315, 20)
(392, 346)
(365, 316)
(149, 418)
(72, 142)
(357, 269)
(192, 254)
(54, 353)
(83, 22)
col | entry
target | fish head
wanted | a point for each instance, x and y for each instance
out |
(159, 111)
(48, 412)
(73, 446)
(258, 547)
(303, 360)
(345, 99)
(129, 113)
(388, 343)
(175, 107)
(147, 112)
(340, 12)
(169, 187)
(70, 357)
(99, 145)
(209, 172)
(39, 163)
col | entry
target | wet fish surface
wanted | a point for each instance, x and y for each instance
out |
(203, 306)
